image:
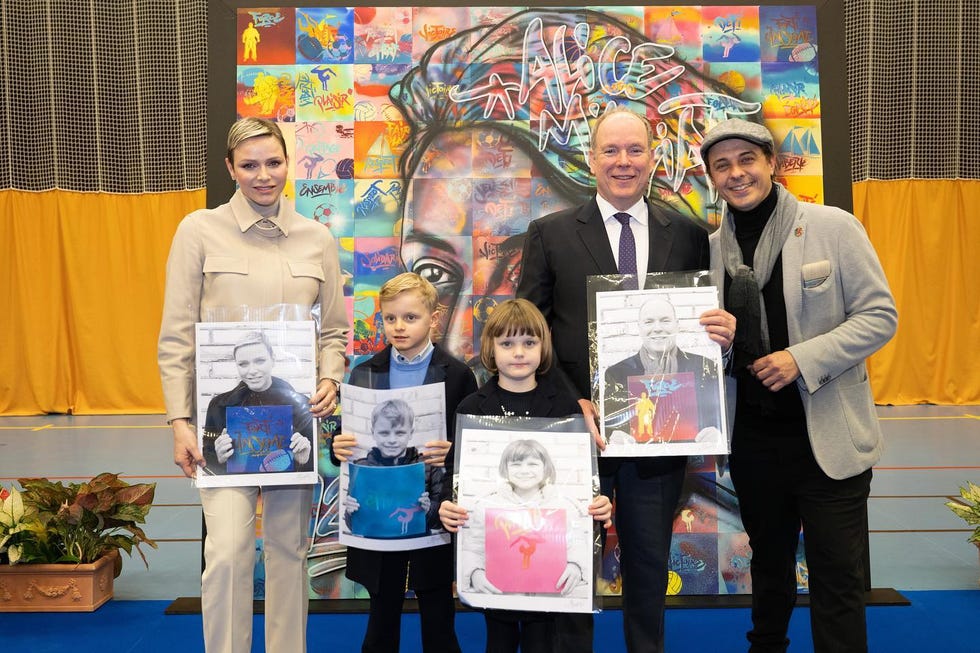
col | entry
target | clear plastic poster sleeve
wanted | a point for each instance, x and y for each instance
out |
(528, 542)
(256, 369)
(657, 378)
(389, 495)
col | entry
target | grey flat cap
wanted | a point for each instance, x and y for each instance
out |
(735, 128)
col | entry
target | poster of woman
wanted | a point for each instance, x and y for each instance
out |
(254, 381)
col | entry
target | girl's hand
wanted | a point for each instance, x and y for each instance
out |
(569, 579)
(479, 582)
(343, 446)
(435, 452)
(452, 516)
(424, 502)
(601, 510)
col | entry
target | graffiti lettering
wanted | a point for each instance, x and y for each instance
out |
(495, 252)
(433, 33)
(370, 199)
(265, 19)
(333, 101)
(383, 259)
(254, 445)
(790, 162)
(319, 190)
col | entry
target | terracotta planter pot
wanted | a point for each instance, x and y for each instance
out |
(56, 588)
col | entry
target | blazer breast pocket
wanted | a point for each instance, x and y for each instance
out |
(815, 274)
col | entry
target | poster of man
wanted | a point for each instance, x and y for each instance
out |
(254, 381)
(660, 380)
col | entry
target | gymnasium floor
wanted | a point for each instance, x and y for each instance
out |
(916, 542)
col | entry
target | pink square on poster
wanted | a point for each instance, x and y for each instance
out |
(525, 549)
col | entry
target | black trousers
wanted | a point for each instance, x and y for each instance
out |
(437, 613)
(780, 488)
(645, 506)
(530, 632)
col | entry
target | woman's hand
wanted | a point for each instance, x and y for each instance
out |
(301, 447)
(452, 516)
(224, 447)
(187, 456)
(324, 400)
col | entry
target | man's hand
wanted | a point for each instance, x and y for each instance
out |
(301, 448)
(435, 452)
(720, 326)
(324, 400)
(343, 446)
(186, 454)
(592, 421)
(775, 371)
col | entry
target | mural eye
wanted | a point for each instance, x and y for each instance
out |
(436, 272)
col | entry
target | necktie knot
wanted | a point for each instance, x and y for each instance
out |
(624, 218)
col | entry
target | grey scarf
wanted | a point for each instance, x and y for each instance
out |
(744, 298)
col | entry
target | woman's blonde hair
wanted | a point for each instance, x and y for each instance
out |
(515, 317)
(247, 128)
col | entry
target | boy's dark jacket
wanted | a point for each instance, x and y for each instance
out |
(433, 566)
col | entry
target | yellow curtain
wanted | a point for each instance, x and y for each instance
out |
(81, 295)
(83, 275)
(927, 233)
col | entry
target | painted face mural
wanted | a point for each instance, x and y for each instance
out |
(427, 138)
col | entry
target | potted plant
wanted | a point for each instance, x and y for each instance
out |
(968, 507)
(50, 533)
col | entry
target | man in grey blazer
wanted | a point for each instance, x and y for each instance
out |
(812, 303)
(561, 251)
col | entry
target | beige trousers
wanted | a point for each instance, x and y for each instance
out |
(229, 554)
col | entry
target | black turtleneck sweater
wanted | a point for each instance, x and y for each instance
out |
(786, 417)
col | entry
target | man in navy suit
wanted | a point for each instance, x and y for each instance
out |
(561, 251)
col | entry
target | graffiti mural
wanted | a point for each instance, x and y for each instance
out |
(426, 139)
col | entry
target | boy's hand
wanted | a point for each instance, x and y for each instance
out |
(452, 516)
(351, 505)
(301, 448)
(601, 510)
(343, 446)
(435, 452)
(424, 502)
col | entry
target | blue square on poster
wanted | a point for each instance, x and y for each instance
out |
(261, 437)
(388, 500)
